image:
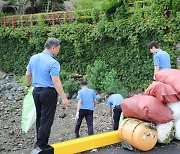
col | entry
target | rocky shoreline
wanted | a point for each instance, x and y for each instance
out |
(11, 136)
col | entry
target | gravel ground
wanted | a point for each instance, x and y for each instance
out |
(11, 136)
(14, 141)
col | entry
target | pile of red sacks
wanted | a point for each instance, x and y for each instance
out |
(152, 106)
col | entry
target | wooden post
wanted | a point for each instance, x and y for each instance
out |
(53, 19)
(12, 20)
(31, 19)
(70, 16)
(4, 21)
(64, 16)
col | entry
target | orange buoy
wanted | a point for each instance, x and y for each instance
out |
(138, 134)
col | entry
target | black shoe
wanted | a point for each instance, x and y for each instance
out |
(77, 136)
(35, 145)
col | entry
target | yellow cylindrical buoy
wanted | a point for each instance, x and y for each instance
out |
(136, 133)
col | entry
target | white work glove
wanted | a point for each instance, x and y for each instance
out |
(77, 115)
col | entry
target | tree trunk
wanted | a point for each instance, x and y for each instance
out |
(32, 5)
(48, 5)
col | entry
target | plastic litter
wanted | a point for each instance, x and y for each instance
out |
(28, 111)
(177, 129)
(165, 132)
(175, 107)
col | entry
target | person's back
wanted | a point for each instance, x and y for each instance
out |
(115, 100)
(41, 64)
(86, 102)
(162, 59)
(43, 72)
(87, 96)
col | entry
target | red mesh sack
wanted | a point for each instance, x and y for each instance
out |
(146, 108)
(169, 76)
(163, 92)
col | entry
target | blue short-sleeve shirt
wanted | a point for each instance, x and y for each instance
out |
(43, 66)
(87, 97)
(162, 59)
(115, 100)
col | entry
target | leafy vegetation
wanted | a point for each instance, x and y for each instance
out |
(90, 4)
(71, 86)
(120, 40)
(100, 79)
(95, 74)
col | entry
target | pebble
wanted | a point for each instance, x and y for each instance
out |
(93, 150)
(14, 139)
(1, 149)
(6, 127)
(11, 132)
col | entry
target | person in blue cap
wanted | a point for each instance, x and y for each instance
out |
(114, 101)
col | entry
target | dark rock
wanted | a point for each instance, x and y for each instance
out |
(11, 132)
(14, 149)
(3, 76)
(9, 96)
(8, 86)
(20, 88)
(1, 148)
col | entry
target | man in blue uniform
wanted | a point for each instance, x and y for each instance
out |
(114, 101)
(161, 58)
(86, 102)
(43, 73)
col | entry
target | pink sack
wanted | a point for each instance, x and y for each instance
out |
(169, 76)
(163, 92)
(146, 108)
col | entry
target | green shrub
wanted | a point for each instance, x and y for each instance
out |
(110, 6)
(95, 13)
(112, 83)
(41, 20)
(95, 74)
(101, 79)
(71, 86)
(83, 15)
(22, 81)
(90, 4)
(121, 43)
(2, 14)
(64, 75)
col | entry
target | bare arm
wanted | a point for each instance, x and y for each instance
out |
(28, 78)
(79, 105)
(94, 102)
(156, 69)
(59, 88)
(110, 111)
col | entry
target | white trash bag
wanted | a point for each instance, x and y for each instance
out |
(177, 129)
(165, 132)
(28, 111)
(175, 107)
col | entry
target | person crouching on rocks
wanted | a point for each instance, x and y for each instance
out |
(85, 107)
(114, 101)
